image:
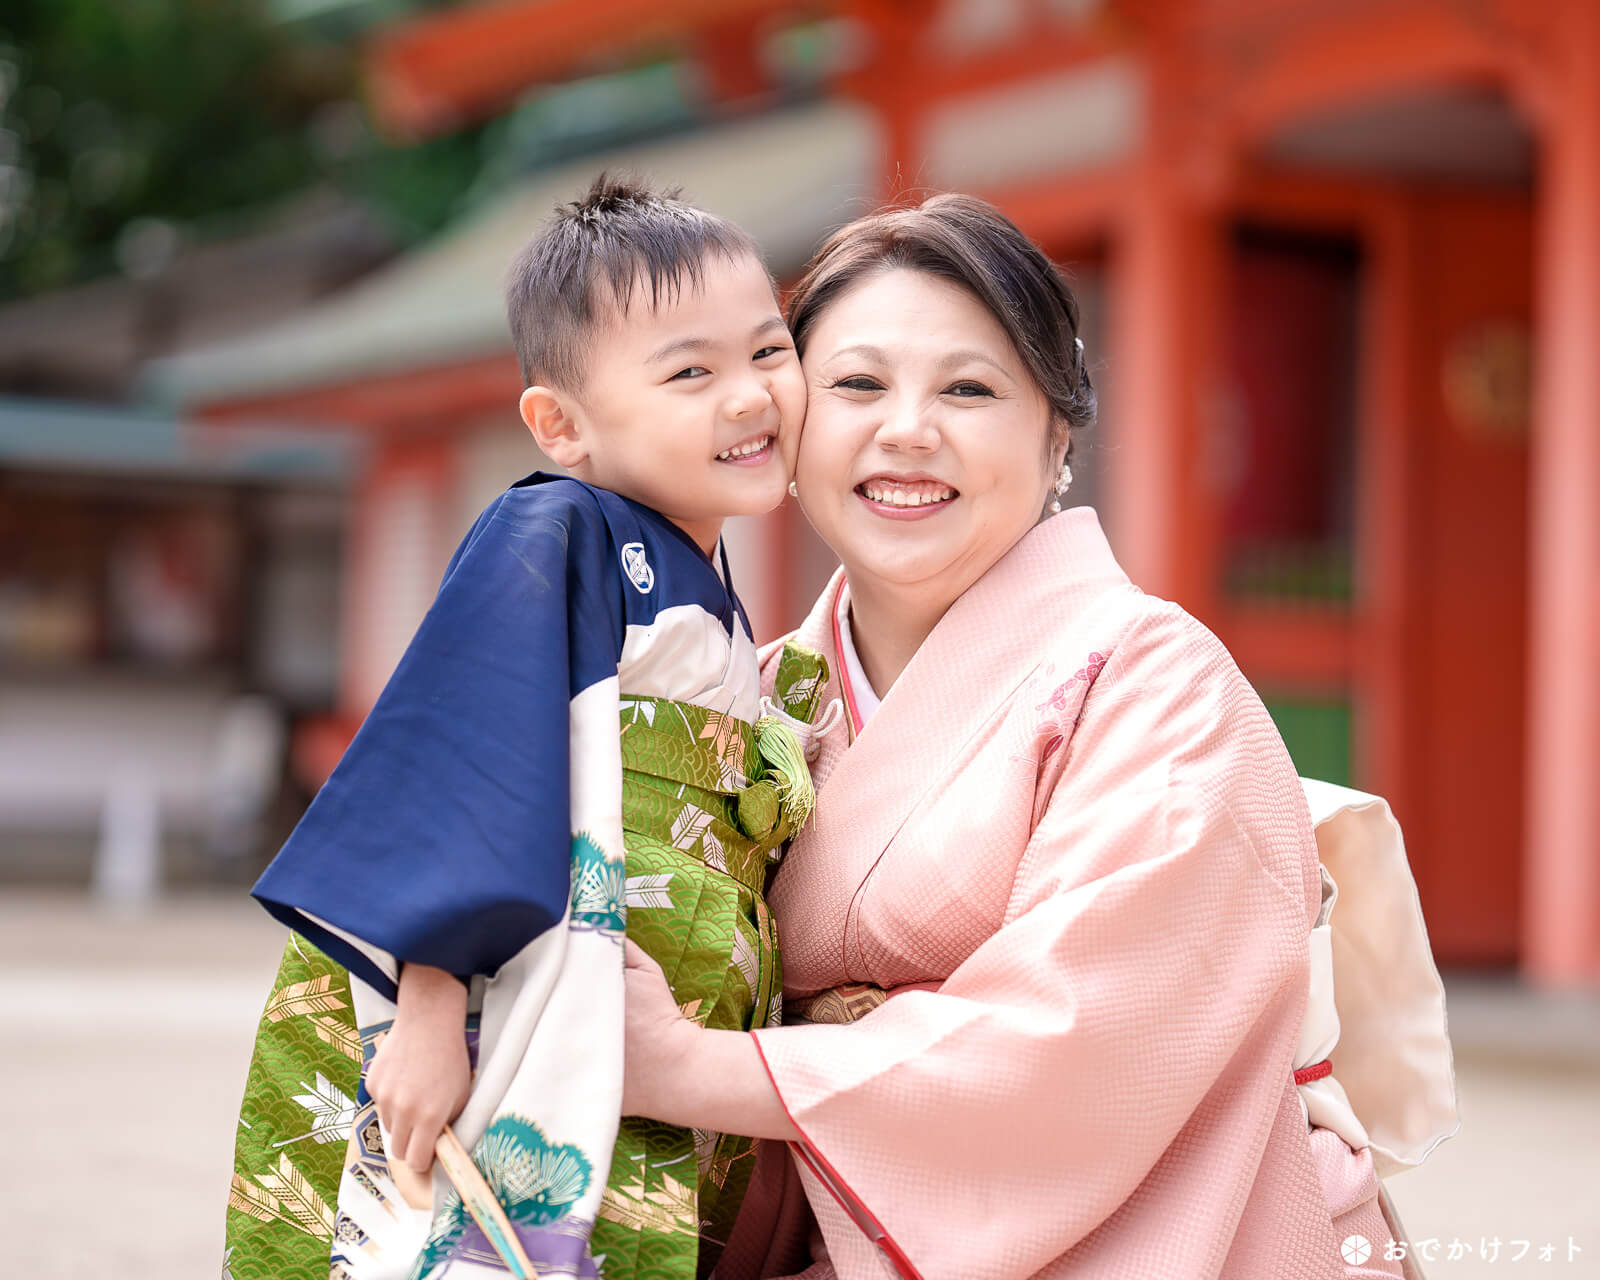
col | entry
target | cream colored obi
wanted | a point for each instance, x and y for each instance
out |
(1376, 1007)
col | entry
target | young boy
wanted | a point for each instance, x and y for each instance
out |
(471, 841)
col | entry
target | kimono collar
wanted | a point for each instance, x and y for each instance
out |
(860, 698)
(1005, 624)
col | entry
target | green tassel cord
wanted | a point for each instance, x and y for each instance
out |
(783, 754)
(802, 676)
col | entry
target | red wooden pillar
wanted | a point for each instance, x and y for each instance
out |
(1562, 899)
(895, 82)
(1384, 733)
(1169, 275)
(730, 58)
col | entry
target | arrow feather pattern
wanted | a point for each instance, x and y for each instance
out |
(333, 1111)
(311, 996)
(671, 1209)
(744, 956)
(705, 1148)
(310, 1211)
(649, 892)
(689, 826)
(798, 691)
(645, 709)
(341, 1035)
(715, 855)
(255, 1201)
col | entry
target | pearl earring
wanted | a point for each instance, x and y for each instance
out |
(793, 492)
(1063, 483)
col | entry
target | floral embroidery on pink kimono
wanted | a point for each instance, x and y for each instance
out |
(1071, 846)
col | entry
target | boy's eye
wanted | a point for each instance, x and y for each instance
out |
(969, 390)
(693, 371)
(858, 382)
(768, 351)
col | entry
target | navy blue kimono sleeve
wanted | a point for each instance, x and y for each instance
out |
(443, 836)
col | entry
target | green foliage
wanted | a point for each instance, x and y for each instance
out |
(190, 112)
(161, 108)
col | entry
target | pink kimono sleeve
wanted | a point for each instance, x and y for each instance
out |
(1120, 1048)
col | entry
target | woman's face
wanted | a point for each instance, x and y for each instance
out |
(924, 454)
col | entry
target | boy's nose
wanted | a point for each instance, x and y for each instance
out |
(746, 399)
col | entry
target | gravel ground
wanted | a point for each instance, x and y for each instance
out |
(124, 1042)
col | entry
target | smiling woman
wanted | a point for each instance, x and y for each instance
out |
(930, 450)
(1046, 950)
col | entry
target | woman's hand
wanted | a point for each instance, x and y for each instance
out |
(679, 1072)
(658, 1040)
(420, 1076)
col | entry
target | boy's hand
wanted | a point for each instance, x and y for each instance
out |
(420, 1076)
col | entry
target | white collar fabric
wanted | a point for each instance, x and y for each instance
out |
(861, 697)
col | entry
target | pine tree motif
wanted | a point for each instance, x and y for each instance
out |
(599, 889)
(536, 1180)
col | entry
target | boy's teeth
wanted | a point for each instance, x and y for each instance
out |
(745, 450)
(894, 495)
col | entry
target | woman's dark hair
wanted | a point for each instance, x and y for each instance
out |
(971, 243)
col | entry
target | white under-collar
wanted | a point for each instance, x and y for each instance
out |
(859, 694)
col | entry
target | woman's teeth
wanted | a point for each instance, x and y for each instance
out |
(899, 495)
(744, 450)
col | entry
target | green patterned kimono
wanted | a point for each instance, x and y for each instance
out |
(704, 814)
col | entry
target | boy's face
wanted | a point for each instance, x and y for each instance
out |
(694, 406)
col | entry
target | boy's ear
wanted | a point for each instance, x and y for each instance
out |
(555, 430)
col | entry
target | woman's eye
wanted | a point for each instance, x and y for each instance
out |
(859, 382)
(768, 351)
(969, 389)
(693, 371)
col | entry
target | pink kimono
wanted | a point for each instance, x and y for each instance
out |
(1072, 848)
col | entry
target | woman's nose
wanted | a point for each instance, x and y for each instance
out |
(908, 425)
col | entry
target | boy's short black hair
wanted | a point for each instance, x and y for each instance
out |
(587, 258)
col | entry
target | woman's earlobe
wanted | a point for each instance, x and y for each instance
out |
(554, 429)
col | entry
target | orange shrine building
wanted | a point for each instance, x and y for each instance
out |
(1340, 270)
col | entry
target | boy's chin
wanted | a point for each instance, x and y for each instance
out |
(757, 495)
